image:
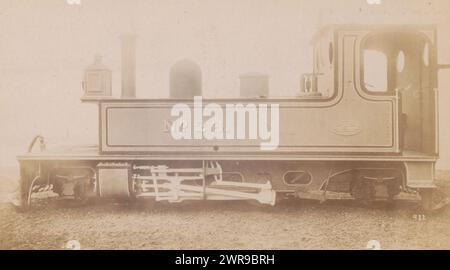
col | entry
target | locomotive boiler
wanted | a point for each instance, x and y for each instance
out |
(363, 124)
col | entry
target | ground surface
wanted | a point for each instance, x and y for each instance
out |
(293, 224)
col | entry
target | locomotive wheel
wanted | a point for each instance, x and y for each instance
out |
(21, 204)
(433, 200)
(27, 179)
(426, 196)
(362, 193)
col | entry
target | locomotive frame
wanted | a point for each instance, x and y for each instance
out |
(336, 138)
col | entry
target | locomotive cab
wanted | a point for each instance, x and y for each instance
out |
(388, 61)
(402, 63)
(393, 64)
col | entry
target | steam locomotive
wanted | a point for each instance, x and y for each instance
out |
(363, 124)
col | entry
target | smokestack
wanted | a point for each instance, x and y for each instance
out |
(128, 65)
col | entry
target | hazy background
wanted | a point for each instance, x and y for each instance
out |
(45, 46)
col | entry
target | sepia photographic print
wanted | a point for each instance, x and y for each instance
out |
(225, 125)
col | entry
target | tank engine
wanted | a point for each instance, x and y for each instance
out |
(364, 124)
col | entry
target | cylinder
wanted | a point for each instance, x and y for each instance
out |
(114, 179)
(128, 43)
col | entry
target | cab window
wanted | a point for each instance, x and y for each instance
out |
(392, 61)
(375, 71)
